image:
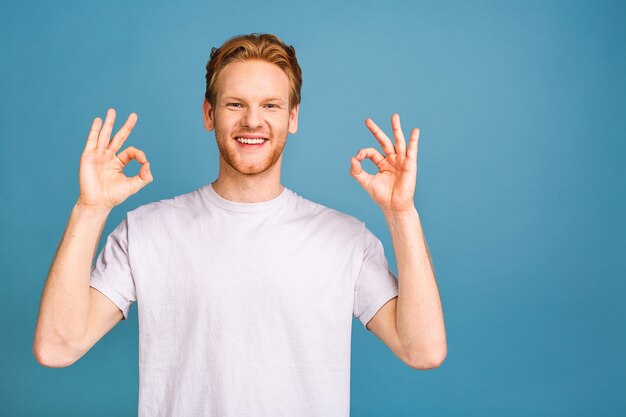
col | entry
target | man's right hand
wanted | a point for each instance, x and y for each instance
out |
(101, 177)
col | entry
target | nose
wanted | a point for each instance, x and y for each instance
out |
(252, 118)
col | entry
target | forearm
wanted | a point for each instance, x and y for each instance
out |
(419, 315)
(64, 308)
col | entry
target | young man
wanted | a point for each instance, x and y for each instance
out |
(246, 290)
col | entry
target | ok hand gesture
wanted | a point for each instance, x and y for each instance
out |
(393, 187)
(101, 177)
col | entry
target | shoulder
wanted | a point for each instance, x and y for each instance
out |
(168, 209)
(326, 217)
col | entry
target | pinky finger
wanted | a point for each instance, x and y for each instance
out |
(412, 150)
(92, 138)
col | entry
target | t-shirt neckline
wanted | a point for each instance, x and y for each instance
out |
(262, 206)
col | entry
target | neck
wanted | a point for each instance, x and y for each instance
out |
(241, 188)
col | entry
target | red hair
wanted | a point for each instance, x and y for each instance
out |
(265, 47)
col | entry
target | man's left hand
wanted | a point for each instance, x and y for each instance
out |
(393, 187)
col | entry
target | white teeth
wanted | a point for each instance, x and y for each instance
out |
(250, 141)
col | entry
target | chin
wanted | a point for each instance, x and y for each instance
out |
(231, 159)
(251, 170)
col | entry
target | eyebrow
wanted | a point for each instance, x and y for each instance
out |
(266, 99)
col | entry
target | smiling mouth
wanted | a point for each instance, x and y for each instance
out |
(251, 141)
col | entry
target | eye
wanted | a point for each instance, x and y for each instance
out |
(272, 106)
(236, 105)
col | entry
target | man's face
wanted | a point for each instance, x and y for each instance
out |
(252, 102)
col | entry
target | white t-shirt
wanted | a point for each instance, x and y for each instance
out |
(244, 309)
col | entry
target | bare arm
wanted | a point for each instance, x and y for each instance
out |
(411, 325)
(64, 308)
(73, 316)
(419, 314)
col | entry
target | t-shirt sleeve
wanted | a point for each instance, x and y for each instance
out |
(375, 284)
(112, 275)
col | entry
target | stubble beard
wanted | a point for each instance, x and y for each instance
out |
(229, 153)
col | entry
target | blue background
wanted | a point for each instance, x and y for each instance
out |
(520, 188)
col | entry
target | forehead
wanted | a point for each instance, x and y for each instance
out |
(253, 80)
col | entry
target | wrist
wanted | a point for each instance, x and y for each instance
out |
(401, 214)
(90, 210)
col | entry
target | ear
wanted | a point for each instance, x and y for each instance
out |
(293, 119)
(207, 113)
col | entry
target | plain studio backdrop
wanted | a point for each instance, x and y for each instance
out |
(520, 186)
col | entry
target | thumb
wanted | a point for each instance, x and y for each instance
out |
(143, 178)
(358, 173)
